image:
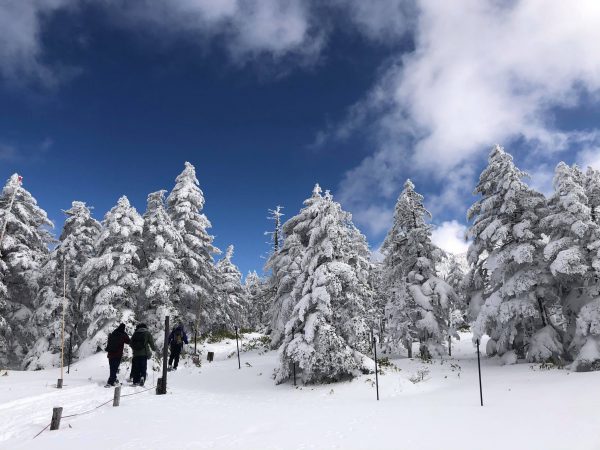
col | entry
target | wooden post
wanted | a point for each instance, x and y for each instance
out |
(449, 345)
(56, 416)
(162, 382)
(376, 374)
(195, 340)
(62, 331)
(238, 347)
(117, 397)
(479, 368)
(294, 363)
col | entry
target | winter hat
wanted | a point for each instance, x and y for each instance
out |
(141, 325)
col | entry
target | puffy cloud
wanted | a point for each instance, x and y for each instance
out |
(450, 237)
(21, 50)
(291, 32)
(481, 72)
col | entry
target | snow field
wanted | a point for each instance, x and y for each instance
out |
(218, 406)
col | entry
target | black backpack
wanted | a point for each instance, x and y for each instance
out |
(138, 341)
(178, 337)
(113, 342)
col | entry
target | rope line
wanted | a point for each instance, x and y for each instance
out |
(44, 429)
(95, 408)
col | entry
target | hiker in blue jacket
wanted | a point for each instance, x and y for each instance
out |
(176, 340)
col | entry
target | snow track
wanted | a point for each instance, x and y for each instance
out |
(219, 406)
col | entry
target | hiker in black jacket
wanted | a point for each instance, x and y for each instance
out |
(176, 340)
(114, 348)
(142, 344)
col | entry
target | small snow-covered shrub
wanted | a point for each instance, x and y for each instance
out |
(424, 354)
(421, 375)
(545, 346)
(509, 358)
(589, 356)
(217, 336)
(262, 344)
(490, 347)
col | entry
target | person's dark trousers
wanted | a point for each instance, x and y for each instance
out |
(113, 364)
(174, 356)
(139, 367)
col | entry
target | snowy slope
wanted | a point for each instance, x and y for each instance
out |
(219, 406)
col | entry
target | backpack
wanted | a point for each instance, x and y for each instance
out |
(138, 341)
(113, 342)
(178, 337)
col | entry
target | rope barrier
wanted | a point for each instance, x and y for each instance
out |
(44, 429)
(95, 408)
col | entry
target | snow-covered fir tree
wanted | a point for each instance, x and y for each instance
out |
(59, 277)
(163, 272)
(110, 282)
(508, 284)
(233, 308)
(23, 250)
(276, 235)
(572, 255)
(380, 297)
(592, 192)
(198, 292)
(452, 270)
(419, 302)
(327, 335)
(285, 267)
(259, 301)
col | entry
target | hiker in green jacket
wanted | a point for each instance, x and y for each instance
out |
(142, 344)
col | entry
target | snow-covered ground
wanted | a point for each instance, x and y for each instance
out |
(219, 406)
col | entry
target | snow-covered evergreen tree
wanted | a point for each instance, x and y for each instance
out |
(259, 301)
(75, 248)
(23, 250)
(327, 335)
(592, 192)
(110, 282)
(419, 302)
(572, 254)
(163, 272)
(452, 271)
(508, 281)
(233, 308)
(198, 291)
(285, 267)
(276, 235)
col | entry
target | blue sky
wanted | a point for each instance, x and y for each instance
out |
(268, 97)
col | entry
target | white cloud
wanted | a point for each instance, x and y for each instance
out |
(290, 32)
(450, 237)
(7, 152)
(21, 50)
(482, 72)
(589, 157)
